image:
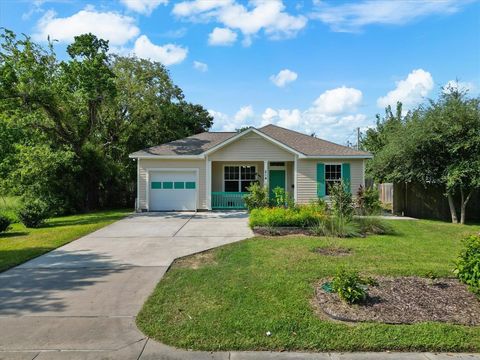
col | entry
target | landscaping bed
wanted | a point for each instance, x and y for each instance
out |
(281, 230)
(406, 300)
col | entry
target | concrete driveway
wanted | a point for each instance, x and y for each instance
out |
(80, 301)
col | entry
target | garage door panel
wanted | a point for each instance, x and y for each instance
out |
(172, 190)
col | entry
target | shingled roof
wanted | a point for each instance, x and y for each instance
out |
(302, 143)
(308, 145)
(192, 145)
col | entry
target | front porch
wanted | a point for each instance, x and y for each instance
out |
(227, 182)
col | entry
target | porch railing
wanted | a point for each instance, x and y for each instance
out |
(228, 200)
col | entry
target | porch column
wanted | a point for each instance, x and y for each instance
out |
(265, 173)
(208, 183)
(295, 187)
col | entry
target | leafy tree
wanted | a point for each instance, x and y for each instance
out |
(72, 123)
(437, 143)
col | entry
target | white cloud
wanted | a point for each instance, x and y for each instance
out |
(284, 77)
(243, 117)
(352, 17)
(116, 28)
(410, 91)
(266, 15)
(332, 116)
(202, 67)
(222, 36)
(143, 6)
(338, 100)
(168, 54)
(191, 8)
(244, 113)
(459, 85)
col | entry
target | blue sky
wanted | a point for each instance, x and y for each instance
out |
(315, 66)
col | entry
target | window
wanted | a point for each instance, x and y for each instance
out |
(333, 174)
(238, 178)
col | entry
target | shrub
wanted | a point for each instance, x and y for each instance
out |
(372, 225)
(299, 216)
(349, 286)
(257, 197)
(33, 212)
(5, 223)
(341, 200)
(467, 266)
(368, 201)
(336, 227)
(290, 201)
(279, 196)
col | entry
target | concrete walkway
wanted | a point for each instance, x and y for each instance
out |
(80, 301)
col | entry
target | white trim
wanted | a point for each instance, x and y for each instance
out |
(266, 174)
(295, 177)
(137, 205)
(196, 170)
(243, 133)
(208, 174)
(239, 174)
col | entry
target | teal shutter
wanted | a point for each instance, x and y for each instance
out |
(346, 176)
(320, 180)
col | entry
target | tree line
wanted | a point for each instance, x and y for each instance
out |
(67, 126)
(436, 143)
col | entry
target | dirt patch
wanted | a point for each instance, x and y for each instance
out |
(406, 300)
(333, 251)
(195, 261)
(281, 231)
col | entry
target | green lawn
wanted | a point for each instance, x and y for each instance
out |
(20, 244)
(245, 289)
(9, 205)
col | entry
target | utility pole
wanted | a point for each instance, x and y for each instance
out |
(358, 138)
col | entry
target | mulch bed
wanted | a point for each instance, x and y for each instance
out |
(281, 231)
(406, 300)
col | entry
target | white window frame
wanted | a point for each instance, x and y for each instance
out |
(325, 175)
(239, 174)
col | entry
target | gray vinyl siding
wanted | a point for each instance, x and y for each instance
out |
(145, 164)
(307, 177)
(251, 147)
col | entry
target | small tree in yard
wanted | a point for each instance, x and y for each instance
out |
(341, 201)
(434, 144)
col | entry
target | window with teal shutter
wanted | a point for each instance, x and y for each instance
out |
(346, 177)
(320, 180)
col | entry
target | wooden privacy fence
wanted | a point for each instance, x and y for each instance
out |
(386, 193)
(430, 202)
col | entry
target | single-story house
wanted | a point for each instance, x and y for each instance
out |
(212, 170)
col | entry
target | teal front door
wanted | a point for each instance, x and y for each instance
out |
(277, 179)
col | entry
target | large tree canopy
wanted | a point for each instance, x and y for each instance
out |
(67, 127)
(437, 143)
